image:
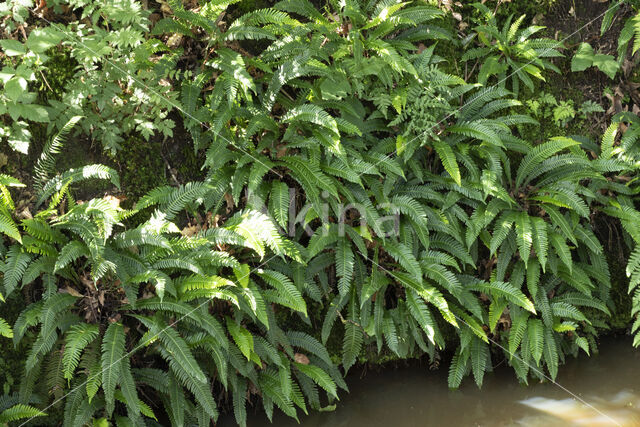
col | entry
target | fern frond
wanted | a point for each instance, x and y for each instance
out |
(76, 339)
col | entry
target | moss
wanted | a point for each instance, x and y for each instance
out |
(140, 166)
(58, 72)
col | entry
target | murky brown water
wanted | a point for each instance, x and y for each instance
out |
(415, 396)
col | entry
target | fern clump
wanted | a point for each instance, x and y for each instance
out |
(358, 197)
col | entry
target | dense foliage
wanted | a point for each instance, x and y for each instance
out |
(360, 196)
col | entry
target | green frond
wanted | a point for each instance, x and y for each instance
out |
(113, 348)
(458, 369)
(62, 181)
(539, 154)
(320, 377)
(535, 333)
(76, 339)
(45, 167)
(242, 337)
(506, 290)
(20, 412)
(287, 291)
(344, 265)
(15, 264)
(5, 329)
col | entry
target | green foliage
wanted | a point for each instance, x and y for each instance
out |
(509, 53)
(111, 83)
(629, 35)
(18, 412)
(628, 43)
(586, 57)
(349, 182)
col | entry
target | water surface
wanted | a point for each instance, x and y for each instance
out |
(416, 396)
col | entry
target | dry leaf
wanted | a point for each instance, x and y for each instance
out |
(229, 199)
(282, 150)
(71, 291)
(114, 201)
(174, 41)
(190, 230)
(25, 214)
(301, 358)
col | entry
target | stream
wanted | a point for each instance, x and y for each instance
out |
(415, 396)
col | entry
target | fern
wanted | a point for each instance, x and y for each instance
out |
(346, 176)
(45, 167)
(113, 347)
(62, 181)
(286, 290)
(78, 337)
(20, 412)
(319, 377)
(509, 292)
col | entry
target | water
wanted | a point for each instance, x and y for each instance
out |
(415, 396)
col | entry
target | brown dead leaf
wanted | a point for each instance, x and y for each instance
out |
(174, 41)
(71, 291)
(282, 150)
(25, 214)
(216, 220)
(538, 19)
(190, 230)
(505, 319)
(147, 295)
(113, 200)
(229, 199)
(87, 281)
(616, 102)
(301, 358)
(252, 389)
(627, 67)
(165, 8)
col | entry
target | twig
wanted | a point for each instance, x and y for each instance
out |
(343, 320)
(45, 80)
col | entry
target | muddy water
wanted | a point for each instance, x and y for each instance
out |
(415, 396)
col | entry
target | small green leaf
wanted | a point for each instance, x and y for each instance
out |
(583, 58)
(15, 88)
(607, 64)
(12, 47)
(20, 137)
(35, 113)
(42, 39)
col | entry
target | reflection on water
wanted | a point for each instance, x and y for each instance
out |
(415, 396)
(619, 410)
